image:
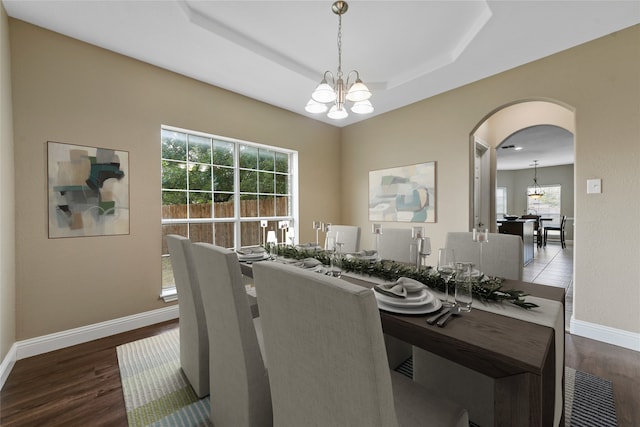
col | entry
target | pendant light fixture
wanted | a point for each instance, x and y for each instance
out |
(332, 92)
(537, 191)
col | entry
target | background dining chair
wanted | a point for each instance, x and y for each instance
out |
(349, 236)
(394, 244)
(327, 360)
(502, 254)
(559, 229)
(194, 340)
(239, 384)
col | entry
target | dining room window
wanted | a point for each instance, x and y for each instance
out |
(549, 205)
(222, 190)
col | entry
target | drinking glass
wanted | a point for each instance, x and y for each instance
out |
(464, 286)
(446, 268)
(414, 255)
(339, 242)
(317, 225)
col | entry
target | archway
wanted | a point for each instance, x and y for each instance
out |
(489, 133)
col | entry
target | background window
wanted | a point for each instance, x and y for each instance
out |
(501, 202)
(217, 190)
(548, 206)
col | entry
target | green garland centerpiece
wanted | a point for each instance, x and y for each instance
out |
(486, 288)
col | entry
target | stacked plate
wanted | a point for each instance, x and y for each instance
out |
(417, 300)
(252, 254)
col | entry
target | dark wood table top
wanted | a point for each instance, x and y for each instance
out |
(493, 344)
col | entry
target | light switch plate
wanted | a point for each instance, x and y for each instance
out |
(594, 186)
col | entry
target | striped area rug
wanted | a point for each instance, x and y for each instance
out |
(588, 399)
(157, 394)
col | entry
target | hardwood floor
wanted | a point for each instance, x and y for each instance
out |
(75, 386)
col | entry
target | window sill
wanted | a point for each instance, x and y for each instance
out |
(169, 295)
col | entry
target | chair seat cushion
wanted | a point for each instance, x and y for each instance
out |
(416, 406)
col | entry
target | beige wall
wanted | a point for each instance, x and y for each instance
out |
(68, 91)
(7, 192)
(600, 82)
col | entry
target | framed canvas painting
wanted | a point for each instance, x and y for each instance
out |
(88, 191)
(403, 194)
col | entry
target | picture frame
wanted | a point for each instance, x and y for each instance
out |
(88, 191)
(403, 194)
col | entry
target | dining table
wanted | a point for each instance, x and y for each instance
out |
(521, 356)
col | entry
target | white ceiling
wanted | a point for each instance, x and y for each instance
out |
(276, 51)
(549, 145)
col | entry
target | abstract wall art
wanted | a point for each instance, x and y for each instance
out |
(88, 191)
(403, 194)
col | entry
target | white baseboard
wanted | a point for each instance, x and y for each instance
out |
(58, 340)
(46, 343)
(606, 334)
(7, 365)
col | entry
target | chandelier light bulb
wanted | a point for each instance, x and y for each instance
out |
(324, 93)
(337, 113)
(358, 92)
(315, 107)
(362, 107)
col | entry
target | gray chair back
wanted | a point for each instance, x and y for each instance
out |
(323, 338)
(194, 340)
(395, 243)
(239, 384)
(349, 235)
(327, 360)
(502, 254)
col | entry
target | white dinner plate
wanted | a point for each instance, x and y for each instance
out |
(253, 257)
(425, 309)
(413, 299)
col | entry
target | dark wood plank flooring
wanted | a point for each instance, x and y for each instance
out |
(80, 385)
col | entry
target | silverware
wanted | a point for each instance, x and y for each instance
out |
(433, 319)
(453, 310)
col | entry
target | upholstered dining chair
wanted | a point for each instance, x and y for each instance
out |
(327, 361)
(349, 236)
(194, 340)
(394, 244)
(239, 384)
(502, 254)
(559, 229)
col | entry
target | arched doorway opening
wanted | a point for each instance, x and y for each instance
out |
(496, 127)
(489, 133)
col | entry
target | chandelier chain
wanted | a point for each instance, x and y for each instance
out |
(340, 46)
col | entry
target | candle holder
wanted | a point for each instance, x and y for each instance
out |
(272, 241)
(482, 237)
(376, 229)
(424, 250)
(263, 225)
(284, 228)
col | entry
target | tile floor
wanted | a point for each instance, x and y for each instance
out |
(553, 266)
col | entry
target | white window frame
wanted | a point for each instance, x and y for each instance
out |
(168, 292)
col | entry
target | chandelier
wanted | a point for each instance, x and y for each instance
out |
(537, 191)
(336, 93)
